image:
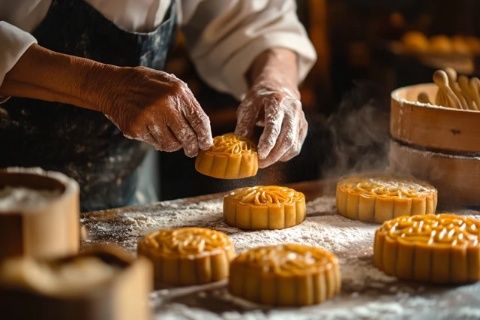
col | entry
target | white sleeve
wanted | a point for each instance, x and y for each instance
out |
(13, 44)
(225, 36)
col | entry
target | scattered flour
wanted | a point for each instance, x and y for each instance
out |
(18, 198)
(366, 292)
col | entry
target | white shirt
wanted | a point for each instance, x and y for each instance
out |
(223, 36)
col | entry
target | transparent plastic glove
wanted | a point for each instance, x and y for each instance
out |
(277, 106)
(158, 108)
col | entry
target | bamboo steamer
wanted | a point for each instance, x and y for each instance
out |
(50, 229)
(436, 144)
(123, 297)
(433, 127)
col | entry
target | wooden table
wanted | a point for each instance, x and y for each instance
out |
(366, 291)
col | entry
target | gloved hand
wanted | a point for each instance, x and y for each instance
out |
(277, 105)
(145, 104)
(157, 108)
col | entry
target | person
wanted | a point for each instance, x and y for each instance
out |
(82, 86)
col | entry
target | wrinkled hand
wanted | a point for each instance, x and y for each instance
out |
(157, 108)
(278, 106)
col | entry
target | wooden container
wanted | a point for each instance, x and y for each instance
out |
(123, 297)
(49, 229)
(436, 144)
(432, 127)
(455, 177)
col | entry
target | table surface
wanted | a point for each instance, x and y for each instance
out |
(366, 292)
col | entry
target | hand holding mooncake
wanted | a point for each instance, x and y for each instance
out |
(230, 157)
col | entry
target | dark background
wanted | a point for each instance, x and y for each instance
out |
(346, 95)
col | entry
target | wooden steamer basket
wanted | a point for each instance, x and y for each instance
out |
(49, 229)
(123, 297)
(436, 144)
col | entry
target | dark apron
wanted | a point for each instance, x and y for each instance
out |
(81, 143)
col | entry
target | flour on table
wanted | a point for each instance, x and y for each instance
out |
(366, 292)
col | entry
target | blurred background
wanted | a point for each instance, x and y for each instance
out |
(365, 48)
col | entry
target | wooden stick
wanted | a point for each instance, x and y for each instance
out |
(452, 82)
(440, 99)
(458, 92)
(467, 91)
(440, 78)
(475, 86)
(461, 95)
(452, 75)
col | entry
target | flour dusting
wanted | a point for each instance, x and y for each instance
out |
(19, 198)
(366, 292)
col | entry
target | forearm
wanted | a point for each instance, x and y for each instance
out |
(277, 64)
(46, 75)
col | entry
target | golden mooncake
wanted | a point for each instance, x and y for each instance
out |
(377, 198)
(187, 256)
(230, 157)
(264, 207)
(285, 275)
(441, 248)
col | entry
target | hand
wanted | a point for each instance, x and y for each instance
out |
(145, 104)
(157, 108)
(278, 106)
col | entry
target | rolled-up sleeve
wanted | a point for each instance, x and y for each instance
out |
(224, 37)
(13, 44)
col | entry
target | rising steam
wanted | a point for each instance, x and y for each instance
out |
(359, 132)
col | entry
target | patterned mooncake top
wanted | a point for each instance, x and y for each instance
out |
(433, 230)
(186, 242)
(266, 195)
(287, 259)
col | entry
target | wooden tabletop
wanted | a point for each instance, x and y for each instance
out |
(366, 291)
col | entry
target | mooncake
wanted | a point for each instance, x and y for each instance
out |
(441, 248)
(264, 207)
(377, 198)
(187, 256)
(285, 275)
(230, 157)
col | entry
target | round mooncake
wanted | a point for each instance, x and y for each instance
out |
(285, 275)
(230, 157)
(187, 256)
(441, 248)
(377, 198)
(264, 207)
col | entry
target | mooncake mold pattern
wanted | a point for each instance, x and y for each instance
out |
(230, 157)
(264, 207)
(285, 275)
(377, 198)
(441, 248)
(187, 256)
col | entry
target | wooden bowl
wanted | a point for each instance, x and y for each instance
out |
(455, 177)
(123, 297)
(432, 127)
(49, 229)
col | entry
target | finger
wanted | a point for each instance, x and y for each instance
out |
(200, 123)
(288, 136)
(247, 115)
(295, 151)
(147, 138)
(185, 135)
(165, 140)
(273, 125)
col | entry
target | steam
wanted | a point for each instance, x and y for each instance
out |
(359, 132)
